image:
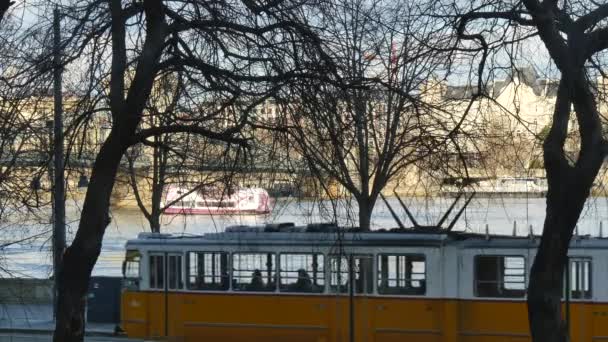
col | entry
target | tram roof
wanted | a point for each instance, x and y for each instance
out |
(329, 235)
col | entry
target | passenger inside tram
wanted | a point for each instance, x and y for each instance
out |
(257, 282)
(304, 283)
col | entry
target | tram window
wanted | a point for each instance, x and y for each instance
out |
(175, 272)
(362, 270)
(500, 276)
(302, 273)
(401, 274)
(580, 278)
(157, 271)
(254, 271)
(130, 268)
(208, 271)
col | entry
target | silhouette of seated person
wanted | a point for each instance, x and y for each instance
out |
(224, 282)
(257, 282)
(303, 284)
(363, 283)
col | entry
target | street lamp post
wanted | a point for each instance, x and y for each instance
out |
(58, 165)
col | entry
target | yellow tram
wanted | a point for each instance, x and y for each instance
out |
(319, 284)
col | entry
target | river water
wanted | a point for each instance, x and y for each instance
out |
(32, 257)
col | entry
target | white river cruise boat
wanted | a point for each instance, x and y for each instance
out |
(213, 202)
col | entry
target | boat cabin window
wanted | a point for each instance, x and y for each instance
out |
(216, 204)
(402, 274)
(500, 276)
(157, 271)
(301, 273)
(580, 278)
(361, 270)
(186, 204)
(253, 271)
(208, 271)
(175, 272)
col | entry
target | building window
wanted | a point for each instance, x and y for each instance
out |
(301, 273)
(253, 271)
(500, 276)
(361, 270)
(175, 272)
(157, 271)
(208, 271)
(401, 274)
(580, 278)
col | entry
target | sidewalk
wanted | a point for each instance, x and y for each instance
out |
(34, 322)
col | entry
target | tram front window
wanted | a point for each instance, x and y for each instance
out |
(130, 269)
(361, 269)
(208, 271)
(302, 273)
(254, 272)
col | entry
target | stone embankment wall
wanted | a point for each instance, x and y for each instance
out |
(26, 291)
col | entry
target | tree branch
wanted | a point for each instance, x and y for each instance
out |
(4, 6)
(119, 60)
(597, 41)
(554, 143)
(592, 18)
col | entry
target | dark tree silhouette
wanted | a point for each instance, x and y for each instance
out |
(575, 36)
(228, 52)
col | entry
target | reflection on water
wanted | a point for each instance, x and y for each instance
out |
(502, 216)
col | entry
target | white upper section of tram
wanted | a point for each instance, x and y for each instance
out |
(318, 259)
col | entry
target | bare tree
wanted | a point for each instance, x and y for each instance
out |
(370, 122)
(228, 52)
(574, 34)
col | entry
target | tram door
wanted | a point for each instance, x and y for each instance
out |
(166, 271)
(351, 279)
(577, 291)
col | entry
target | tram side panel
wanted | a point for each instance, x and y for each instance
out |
(406, 319)
(255, 317)
(156, 314)
(493, 320)
(598, 316)
(491, 295)
(134, 313)
(416, 313)
(597, 312)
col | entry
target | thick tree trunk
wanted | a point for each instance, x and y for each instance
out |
(364, 218)
(547, 274)
(155, 220)
(80, 258)
(365, 214)
(569, 188)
